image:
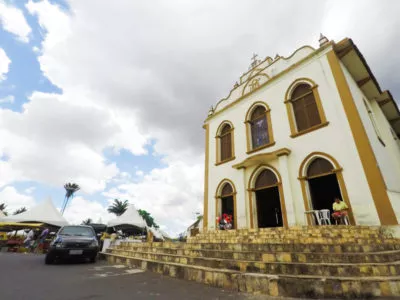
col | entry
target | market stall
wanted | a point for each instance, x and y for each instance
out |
(12, 235)
(44, 215)
(130, 224)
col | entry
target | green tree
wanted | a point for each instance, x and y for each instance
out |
(20, 210)
(70, 190)
(148, 218)
(87, 221)
(118, 207)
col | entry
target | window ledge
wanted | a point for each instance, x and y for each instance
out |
(261, 147)
(224, 161)
(309, 129)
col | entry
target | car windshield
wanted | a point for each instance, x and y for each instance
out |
(76, 231)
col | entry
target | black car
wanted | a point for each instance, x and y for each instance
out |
(73, 242)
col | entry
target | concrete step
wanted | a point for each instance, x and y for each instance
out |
(310, 286)
(293, 247)
(273, 268)
(325, 241)
(304, 230)
(373, 257)
(334, 233)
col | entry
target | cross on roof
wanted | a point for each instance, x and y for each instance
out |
(254, 58)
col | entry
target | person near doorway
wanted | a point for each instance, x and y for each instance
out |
(339, 210)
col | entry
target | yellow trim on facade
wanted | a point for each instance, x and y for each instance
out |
(370, 165)
(260, 148)
(289, 109)
(248, 127)
(218, 197)
(308, 130)
(261, 157)
(207, 146)
(339, 177)
(251, 189)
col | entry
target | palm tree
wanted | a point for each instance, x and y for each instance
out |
(3, 207)
(87, 221)
(20, 210)
(70, 190)
(118, 207)
(148, 218)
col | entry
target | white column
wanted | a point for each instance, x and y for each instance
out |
(287, 191)
(244, 213)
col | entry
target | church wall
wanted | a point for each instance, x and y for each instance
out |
(334, 139)
(388, 155)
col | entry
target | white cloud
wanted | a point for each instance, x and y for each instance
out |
(80, 209)
(15, 200)
(30, 190)
(7, 99)
(13, 21)
(4, 64)
(172, 195)
(53, 141)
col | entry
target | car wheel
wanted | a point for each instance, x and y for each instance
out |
(93, 259)
(49, 259)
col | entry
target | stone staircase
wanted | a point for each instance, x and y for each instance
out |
(313, 262)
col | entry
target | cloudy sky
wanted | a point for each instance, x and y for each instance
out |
(112, 94)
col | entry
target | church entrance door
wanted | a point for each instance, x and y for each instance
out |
(226, 204)
(228, 208)
(268, 202)
(269, 212)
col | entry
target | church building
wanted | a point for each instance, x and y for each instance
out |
(296, 132)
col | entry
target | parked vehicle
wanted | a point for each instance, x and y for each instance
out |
(73, 242)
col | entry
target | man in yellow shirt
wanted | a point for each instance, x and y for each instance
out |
(340, 209)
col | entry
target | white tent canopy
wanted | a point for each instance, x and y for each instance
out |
(129, 217)
(44, 212)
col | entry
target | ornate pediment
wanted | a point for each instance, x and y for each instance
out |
(254, 83)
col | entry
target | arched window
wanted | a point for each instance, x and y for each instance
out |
(304, 107)
(226, 142)
(265, 179)
(226, 190)
(318, 167)
(225, 149)
(259, 128)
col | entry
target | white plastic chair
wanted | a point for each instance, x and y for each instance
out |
(325, 216)
(315, 216)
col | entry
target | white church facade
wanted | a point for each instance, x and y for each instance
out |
(294, 133)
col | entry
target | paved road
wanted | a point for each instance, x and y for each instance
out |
(26, 277)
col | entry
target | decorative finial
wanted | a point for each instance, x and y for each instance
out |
(323, 40)
(277, 56)
(236, 84)
(211, 111)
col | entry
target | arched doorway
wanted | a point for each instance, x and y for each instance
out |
(323, 184)
(322, 181)
(267, 198)
(226, 202)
